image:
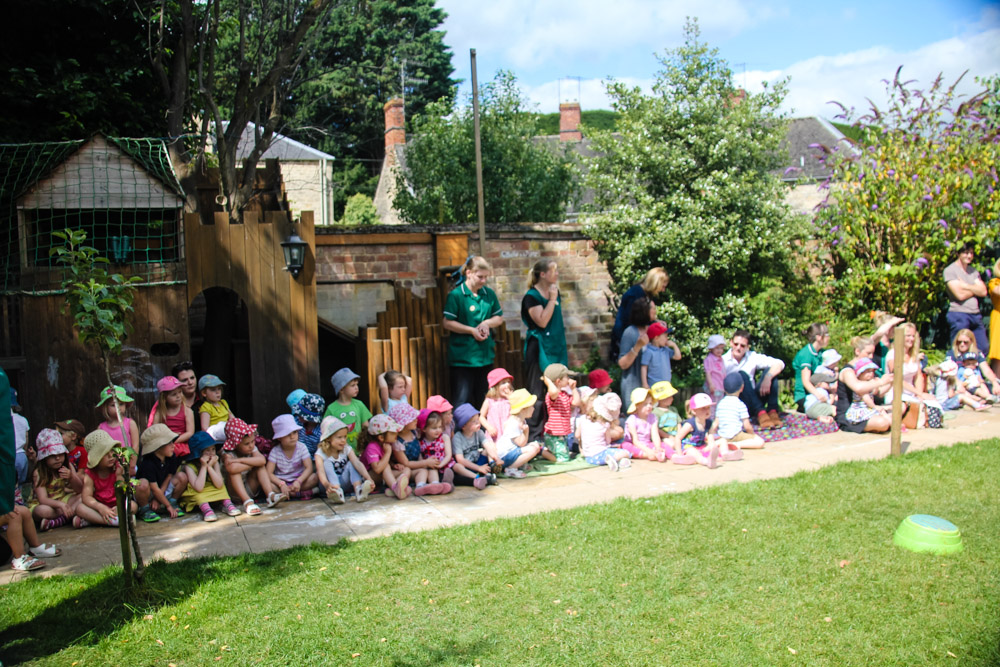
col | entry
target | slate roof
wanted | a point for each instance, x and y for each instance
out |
(281, 148)
(803, 161)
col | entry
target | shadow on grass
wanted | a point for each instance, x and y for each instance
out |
(106, 605)
(453, 654)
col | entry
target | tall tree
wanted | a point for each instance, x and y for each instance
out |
(684, 183)
(525, 180)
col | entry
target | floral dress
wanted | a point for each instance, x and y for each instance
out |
(434, 449)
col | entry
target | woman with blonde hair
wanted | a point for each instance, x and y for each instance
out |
(914, 380)
(651, 286)
(965, 343)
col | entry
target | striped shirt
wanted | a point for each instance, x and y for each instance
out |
(729, 415)
(560, 410)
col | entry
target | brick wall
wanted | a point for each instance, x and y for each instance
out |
(409, 258)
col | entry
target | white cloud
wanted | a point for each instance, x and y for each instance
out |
(850, 78)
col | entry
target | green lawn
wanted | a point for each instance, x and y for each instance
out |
(790, 571)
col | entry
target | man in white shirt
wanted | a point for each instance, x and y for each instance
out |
(761, 397)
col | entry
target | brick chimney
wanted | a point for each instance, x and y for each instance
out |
(395, 132)
(569, 122)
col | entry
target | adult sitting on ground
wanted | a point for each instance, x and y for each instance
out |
(760, 395)
(914, 380)
(850, 389)
(651, 286)
(963, 287)
(634, 339)
(965, 342)
(804, 365)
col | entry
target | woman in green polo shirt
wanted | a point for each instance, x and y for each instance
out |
(544, 337)
(805, 364)
(470, 311)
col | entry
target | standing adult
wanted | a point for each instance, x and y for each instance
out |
(994, 292)
(760, 396)
(804, 365)
(8, 475)
(545, 336)
(470, 311)
(964, 286)
(634, 339)
(651, 286)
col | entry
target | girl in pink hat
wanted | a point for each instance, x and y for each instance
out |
(58, 487)
(697, 434)
(496, 406)
(172, 411)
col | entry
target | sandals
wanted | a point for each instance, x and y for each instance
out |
(251, 508)
(274, 498)
(80, 522)
(45, 551)
(26, 563)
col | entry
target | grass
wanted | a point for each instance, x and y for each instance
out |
(791, 571)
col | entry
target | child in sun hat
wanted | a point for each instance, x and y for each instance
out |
(347, 408)
(294, 397)
(246, 467)
(308, 413)
(338, 465)
(98, 505)
(58, 486)
(289, 465)
(496, 406)
(595, 435)
(948, 391)
(378, 457)
(206, 483)
(656, 356)
(642, 437)
(160, 469)
(73, 432)
(435, 450)
(406, 449)
(600, 380)
(171, 410)
(697, 433)
(715, 367)
(214, 409)
(513, 447)
(112, 403)
(441, 405)
(473, 449)
(732, 419)
(560, 399)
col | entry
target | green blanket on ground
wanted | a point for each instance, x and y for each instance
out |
(541, 468)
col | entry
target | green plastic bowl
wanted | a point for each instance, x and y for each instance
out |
(924, 533)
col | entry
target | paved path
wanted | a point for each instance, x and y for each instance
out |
(293, 523)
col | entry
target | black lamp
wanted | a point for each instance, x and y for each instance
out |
(294, 249)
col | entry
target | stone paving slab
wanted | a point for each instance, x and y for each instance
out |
(295, 523)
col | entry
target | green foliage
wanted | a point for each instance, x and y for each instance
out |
(100, 302)
(523, 180)
(685, 184)
(920, 182)
(593, 119)
(360, 211)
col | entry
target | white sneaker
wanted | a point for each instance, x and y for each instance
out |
(611, 462)
(625, 464)
(514, 473)
(337, 496)
(366, 488)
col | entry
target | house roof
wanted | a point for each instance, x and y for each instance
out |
(281, 148)
(803, 161)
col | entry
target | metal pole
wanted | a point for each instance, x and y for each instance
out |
(479, 157)
(897, 392)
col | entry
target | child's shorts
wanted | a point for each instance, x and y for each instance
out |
(600, 457)
(953, 403)
(511, 456)
(740, 437)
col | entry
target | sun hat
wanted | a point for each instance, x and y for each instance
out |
(198, 443)
(556, 371)
(342, 378)
(831, 356)
(309, 408)
(404, 413)
(236, 429)
(98, 443)
(283, 425)
(655, 329)
(74, 425)
(156, 436)
(864, 364)
(423, 416)
(439, 404)
(521, 399)
(948, 368)
(598, 378)
(586, 393)
(608, 406)
(714, 341)
(116, 392)
(970, 356)
(383, 423)
(168, 383)
(699, 401)
(294, 398)
(639, 394)
(662, 390)
(496, 376)
(329, 426)
(218, 433)
(48, 443)
(732, 383)
(209, 380)
(463, 414)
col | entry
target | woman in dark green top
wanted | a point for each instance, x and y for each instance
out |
(545, 336)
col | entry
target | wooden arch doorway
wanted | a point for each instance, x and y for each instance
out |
(220, 344)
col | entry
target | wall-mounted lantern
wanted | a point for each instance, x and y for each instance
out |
(294, 249)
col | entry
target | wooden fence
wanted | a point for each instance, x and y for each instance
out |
(408, 337)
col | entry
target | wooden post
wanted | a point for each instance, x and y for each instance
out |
(897, 392)
(479, 157)
(126, 549)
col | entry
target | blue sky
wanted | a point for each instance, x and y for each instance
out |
(831, 52)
